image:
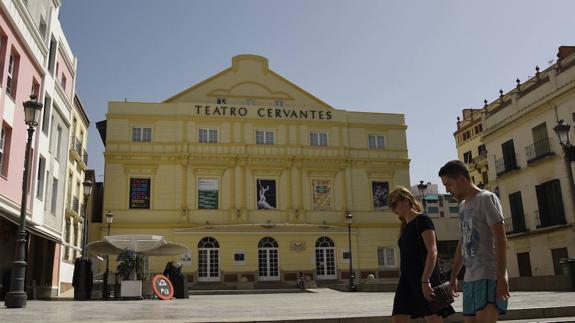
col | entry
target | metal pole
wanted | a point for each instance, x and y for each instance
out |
(85, 237)
(106, 292)
(16, 297)
(351, 276)
(567, 158)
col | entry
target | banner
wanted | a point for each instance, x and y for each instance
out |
(140, 193)
(208, 190)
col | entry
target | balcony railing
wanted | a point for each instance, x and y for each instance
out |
(76, 205)
(515, 226)
(85, 157)
(76, 145)
(508, 225)
(504, 165)
(481, 157)
(544, 220)
(538, 150)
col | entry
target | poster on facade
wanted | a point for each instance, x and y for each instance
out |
(208, 191)
(186, 259)
(379, 191)
(266, 194)
(139, 193)
(321, 194)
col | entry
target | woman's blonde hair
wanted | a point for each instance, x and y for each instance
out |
(403, 193)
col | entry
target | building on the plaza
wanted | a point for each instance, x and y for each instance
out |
(470, 148)
(74, 197)
(526, 168)
(256, 176)
(35, 59)
(443, 209)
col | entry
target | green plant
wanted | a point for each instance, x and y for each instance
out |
(130, 264)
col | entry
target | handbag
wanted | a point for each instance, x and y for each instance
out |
(443, 296)
(442, 299)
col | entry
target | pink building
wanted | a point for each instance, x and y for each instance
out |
(32, 47)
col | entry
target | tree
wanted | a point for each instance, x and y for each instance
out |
(130, 264)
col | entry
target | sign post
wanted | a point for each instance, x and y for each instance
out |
(162, 287)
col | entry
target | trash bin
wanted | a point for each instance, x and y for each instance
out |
(568, 265)
(82, 279)
(179, 281)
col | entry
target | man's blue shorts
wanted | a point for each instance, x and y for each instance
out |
(477, 294)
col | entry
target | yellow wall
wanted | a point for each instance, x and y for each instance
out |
(174, 161)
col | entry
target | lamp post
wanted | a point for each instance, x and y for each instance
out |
(422, 188)
(16, 297)
(349, 218)
(82, 280)
(87, 191)
(562, 131)
(109, 220)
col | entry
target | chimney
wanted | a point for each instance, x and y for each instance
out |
(565, 51)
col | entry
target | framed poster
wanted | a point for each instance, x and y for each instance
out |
(186, 259)
(266, 194)
(321, 194)
(379, 190)
(208, 191)
(140, 193)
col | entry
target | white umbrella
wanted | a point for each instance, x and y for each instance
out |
(149, 245)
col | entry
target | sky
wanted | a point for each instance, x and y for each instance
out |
(425, 59)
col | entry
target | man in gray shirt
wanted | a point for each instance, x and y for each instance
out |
(482, 246)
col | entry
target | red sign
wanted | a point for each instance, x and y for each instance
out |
(162, 287)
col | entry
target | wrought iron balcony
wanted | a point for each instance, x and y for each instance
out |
(76, 205)
(544, 220)
(515, 226)
(505, 165)
(538, 150)
(85, 157)
(508, 225)
(480, 158)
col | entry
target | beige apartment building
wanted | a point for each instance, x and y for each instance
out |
(256, 177)
(74, 202)
(527, 169)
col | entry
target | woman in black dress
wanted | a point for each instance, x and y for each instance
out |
(418, 251)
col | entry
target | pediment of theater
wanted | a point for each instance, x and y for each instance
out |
(248, 79)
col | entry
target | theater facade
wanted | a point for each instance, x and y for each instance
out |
(257, 177)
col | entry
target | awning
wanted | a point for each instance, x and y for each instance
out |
(33, 229)
(148, 245)
(431, 197)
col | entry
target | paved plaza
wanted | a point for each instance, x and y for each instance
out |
(320, 305)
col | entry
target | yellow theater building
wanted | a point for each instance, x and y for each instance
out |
(257, 177)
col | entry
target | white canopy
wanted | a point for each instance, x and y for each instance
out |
(148, 245)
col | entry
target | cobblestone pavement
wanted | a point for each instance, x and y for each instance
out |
(321, 305)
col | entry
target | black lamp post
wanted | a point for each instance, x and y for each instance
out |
(562, 131)
(87, 191)
(109, 220)
(349, 218)
(16, 297)
(422, 188)
(82, 280)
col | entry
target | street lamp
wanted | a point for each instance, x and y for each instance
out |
(562, 131)
(16, 297)
(109, 220)
(82, 279)
(87, 191)
(349, 218)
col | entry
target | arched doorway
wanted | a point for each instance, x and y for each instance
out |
(325, 259)
(268, 263)
(208, 260)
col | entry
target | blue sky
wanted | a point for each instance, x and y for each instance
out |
(425, 59)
